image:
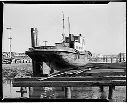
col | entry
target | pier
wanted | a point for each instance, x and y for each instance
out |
(88, 78)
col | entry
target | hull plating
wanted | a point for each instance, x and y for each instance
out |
(58, 60)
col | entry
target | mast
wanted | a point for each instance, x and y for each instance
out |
(68, 25)
(63, 34)
(63, 22)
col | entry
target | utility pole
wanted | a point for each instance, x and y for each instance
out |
(45, 42)
(10, 38)
(69, 25)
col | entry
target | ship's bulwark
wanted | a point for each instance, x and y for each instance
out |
(58, 60)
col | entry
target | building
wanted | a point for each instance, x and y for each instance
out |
(15, 57)
(122, 57)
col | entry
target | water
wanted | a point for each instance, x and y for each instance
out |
(119, 94)
(9, 91)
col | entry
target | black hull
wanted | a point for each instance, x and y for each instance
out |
(58, 60)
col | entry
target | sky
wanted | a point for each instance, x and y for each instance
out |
(102, 25)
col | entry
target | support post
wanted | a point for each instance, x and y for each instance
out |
(37, 68)
(68, 92)
(106, 59)
(101, 89)
(103, 59)
(123, 58)
(110, 92)
(103, 94)
(116, 59)
(111, 59)
(120, 57)
(22, 91)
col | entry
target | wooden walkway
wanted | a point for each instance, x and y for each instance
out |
(93, 78)
(71, 82)
(90, 78)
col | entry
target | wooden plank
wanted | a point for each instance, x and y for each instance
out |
(102, 74)
(68, 83)
(95, 72)
(106, 70)
(108, 65)
(87, 78)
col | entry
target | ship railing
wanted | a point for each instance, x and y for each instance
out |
(43, 47)
(107, 59)
(46, 47)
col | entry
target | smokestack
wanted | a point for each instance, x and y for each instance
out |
(34, 37)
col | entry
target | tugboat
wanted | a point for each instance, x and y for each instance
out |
(68, 54)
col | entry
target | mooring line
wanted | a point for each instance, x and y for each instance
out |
(77, 71)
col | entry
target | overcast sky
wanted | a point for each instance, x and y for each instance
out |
(102, 25)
